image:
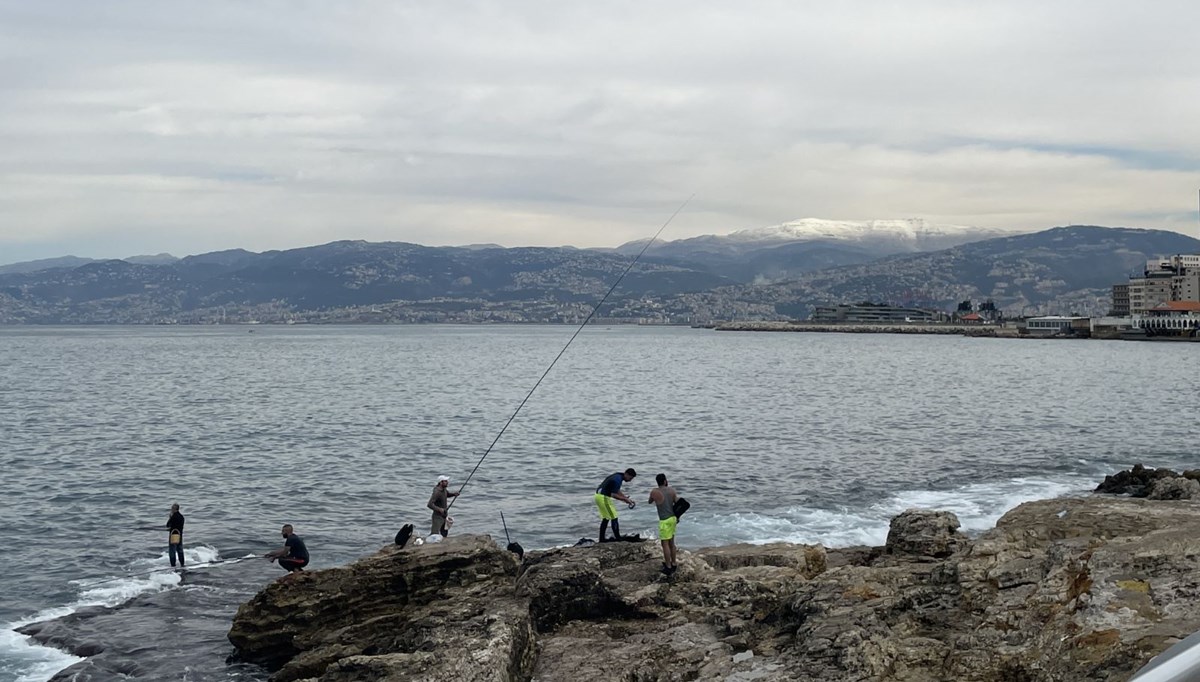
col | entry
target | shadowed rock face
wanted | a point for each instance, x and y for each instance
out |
(439, 610)
(1068, 589)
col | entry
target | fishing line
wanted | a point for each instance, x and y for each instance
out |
(564, 350)
(165, 569)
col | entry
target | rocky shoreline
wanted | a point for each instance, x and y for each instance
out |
(1082, 588)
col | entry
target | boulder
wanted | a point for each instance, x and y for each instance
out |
(1178, 488)
(924, 533)
(385, 616)
(1134, 482)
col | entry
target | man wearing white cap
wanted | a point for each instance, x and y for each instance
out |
(439, 503)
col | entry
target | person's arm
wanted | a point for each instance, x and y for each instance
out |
(624, 498)
(276, 553)
(451, 494)
(653, 499)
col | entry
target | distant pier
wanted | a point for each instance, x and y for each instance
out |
(883, 328)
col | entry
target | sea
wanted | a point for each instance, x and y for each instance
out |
(343, 431)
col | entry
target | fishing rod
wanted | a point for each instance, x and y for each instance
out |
(162, 569)
(592, 314)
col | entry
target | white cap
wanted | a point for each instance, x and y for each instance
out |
(443, 478)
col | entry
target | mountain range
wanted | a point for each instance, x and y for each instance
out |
(780, 252)
(759, 274)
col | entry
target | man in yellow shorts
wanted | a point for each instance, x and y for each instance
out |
(610, 488)
(664, 497)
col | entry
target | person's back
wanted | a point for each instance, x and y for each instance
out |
(666, 502)
(175, 536)
(296, 548)
(664, 497)
(611, 484)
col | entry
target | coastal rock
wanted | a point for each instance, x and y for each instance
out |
(1178, 488)
(435, 611)
(924, 533)
(1071, 589)
(1134, 482)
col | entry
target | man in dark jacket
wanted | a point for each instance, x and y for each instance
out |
(175, 535)
(293, 556)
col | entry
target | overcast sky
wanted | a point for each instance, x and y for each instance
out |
(141, 127)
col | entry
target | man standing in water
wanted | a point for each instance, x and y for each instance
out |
(293, 556)
(664, 498)
(175, 536)
(439, 503)
(610, 488)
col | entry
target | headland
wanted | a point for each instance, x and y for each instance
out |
(1076, 588)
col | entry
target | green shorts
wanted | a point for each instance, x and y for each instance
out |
(666, 528)
(608, 510)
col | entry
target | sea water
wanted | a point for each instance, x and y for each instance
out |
(343, 431)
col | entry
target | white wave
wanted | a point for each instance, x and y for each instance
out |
(978, 507)
(24, 660)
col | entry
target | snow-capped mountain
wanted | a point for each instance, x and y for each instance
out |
(917, 234)
(782, 251)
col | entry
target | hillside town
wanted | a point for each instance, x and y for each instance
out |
(1162, 303)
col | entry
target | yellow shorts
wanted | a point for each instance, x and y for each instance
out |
(608, 510)
(666, 529)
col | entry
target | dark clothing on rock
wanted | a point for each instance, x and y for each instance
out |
(297, 557)
(292, 564)
(296, 548)
(175, 538)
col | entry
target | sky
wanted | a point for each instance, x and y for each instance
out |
(164, 126)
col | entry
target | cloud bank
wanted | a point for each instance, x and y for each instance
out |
(129, 127)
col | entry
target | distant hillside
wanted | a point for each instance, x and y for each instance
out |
(347, 274)
(75, 261)
(1064, 269)
(785, 251)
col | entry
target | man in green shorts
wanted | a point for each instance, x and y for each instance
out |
(664, 497)
(610, 488)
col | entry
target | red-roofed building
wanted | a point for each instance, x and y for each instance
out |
(1180, 317)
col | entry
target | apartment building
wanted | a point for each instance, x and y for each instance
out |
(1120, 301)
(1149, 290)
(1176, 278)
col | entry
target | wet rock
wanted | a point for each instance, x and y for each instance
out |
(1134, 482)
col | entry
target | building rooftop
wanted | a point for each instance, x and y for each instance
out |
(1178, 307)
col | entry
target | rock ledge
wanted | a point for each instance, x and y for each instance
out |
(1068, 589)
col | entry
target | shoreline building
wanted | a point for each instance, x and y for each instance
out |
(1165, 298)
(867, 314)
(1162, 281)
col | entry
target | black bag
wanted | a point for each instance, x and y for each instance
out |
(681, 505)
(405, 533)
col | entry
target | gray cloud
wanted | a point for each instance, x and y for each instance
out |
(162, 126)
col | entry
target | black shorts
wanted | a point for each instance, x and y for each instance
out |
(290, 564)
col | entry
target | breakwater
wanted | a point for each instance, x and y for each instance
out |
(958, 329)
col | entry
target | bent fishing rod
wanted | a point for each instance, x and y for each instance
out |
(553, 362)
